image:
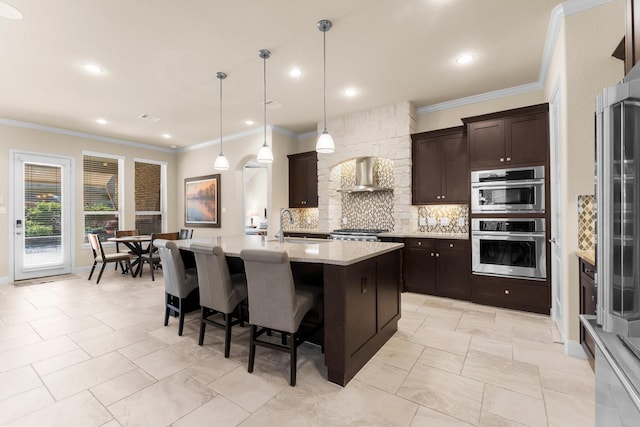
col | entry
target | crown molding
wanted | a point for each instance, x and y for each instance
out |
(558, 14)
(68, 132)
(501, 93)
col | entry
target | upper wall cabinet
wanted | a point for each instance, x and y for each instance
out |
(517, 137)
(440, 167)
(303, 180)
(632, 35)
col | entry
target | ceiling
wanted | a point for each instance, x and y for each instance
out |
(160, 58)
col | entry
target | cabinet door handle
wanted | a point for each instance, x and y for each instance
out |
(432, 254)
(438, 197)
(450, 245)
(506, 291)
(437, 255)
(502, 159)
(419, 243)
(443, 197)
(593, 297)
(508, 159)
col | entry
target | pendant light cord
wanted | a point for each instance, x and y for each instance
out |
(221, 117)
(264, 104)
(324, 78)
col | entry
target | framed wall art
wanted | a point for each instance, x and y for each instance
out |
(202, 201)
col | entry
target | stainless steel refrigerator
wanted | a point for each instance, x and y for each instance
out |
(618, 208)
(616, 329)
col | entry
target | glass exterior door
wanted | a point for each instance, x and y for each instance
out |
(42, 223)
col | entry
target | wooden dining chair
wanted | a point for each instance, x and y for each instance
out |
(185, 233)
(152, 257)
(124, 233)
(99, 256)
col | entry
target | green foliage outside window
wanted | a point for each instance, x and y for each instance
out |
(43, 219)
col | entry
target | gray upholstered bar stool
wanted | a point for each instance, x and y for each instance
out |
(220, 292)
(178, 281)
(276, 304)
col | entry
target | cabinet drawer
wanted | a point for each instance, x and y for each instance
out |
(587, 269)
(452, 245)
(508, 293)
(426, 244)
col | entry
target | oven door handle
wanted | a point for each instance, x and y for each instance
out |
(508, 235)
(499, 185)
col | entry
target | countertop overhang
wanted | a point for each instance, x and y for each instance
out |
(320, 251)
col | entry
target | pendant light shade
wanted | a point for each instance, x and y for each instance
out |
(325, 142)
(221, 163)
(265, 155)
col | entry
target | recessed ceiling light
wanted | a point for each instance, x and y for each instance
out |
(173, 146)
(9, 12)
(350, 92)
(102, 121)
(295, 72)
(92, 68)
(465, 58)
(166, 136)
(248, 122)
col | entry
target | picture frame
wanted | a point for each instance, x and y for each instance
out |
(202, 201)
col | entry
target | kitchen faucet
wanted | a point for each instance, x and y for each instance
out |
(282, 212)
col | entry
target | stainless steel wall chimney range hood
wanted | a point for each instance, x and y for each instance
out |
(364, 177)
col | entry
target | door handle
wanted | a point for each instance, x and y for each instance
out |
(553, 240)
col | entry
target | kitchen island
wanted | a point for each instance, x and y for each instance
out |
(361, 286)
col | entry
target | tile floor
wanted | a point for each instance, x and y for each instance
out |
(76, 354)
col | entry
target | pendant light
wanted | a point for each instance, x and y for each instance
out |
(265, 155)
(325, 142)
(221, 164)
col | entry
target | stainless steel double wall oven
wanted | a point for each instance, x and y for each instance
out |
(505, 241)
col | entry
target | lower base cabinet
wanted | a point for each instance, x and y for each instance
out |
(527, 295)
(437, 267)
(587, 305)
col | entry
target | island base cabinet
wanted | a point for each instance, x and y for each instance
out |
(362, 309)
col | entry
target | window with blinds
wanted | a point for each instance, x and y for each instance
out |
(101, 177)
(148, 197)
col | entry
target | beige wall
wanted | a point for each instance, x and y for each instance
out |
(582, 65)
(42, 142)
(238, 151)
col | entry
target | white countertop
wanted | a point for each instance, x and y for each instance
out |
(425, 235)
(319, 251)
(399, 234)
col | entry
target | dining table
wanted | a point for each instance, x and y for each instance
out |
(137, 246)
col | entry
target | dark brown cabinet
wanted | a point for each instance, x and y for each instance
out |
(518, 294)
(437, 267)
(303, 180)
(587, 305)
(518, 137)
(632, 35)
(440, 167)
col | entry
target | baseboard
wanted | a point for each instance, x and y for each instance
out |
(4, 280)
(574, 349)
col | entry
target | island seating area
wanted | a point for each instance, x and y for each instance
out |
(361, 285)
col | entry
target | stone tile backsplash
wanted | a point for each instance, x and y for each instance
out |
(303, 219)
(367, 209)
(435, 218)
(586, 223)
